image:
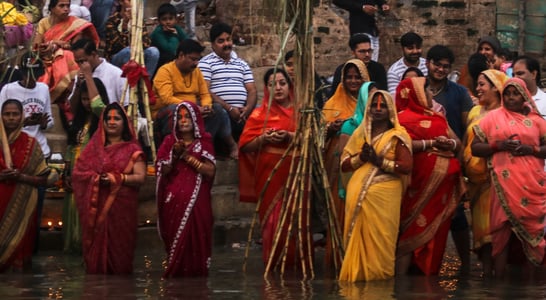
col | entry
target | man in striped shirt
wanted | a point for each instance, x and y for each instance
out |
(229, 78)
(412, 49)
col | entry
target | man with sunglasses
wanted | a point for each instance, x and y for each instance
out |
(361, 48)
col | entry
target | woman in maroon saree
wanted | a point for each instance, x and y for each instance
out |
(436, 181)
(106, 180)
(18, 184)
(186, 168)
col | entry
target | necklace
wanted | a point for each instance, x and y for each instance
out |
(437, 91)
(186, 84)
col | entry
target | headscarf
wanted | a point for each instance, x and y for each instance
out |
(197, 121)
(342, 104)
(410, 94)
(521, 87)
(497, 77)
(351, 124)
(15, 133)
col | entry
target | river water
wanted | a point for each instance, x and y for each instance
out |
(59, 276)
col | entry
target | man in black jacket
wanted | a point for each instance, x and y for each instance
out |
(361, 47)
(362, 18)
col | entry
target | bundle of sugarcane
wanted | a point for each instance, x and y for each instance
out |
(307, 171)
(137, 55)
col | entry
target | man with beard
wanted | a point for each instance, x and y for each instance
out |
(181, 80)
(230, 81)
(361, 47)
(457, 103)
(527, 69)
(412, 49)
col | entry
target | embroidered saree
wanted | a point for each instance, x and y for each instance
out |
(254, 171)
(518, 182)
(108, 214)
(183, 202)
(19, 200)
(342, 106)
(436, 183)
(62, 69)
(373, 203)
(475, 169)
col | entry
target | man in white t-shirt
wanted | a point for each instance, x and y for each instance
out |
(85, 50)
(528, 69)
(412, 50)
(35, 99)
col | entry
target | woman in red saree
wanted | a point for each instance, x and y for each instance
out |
(264, 140)
(18, 184)
(54, 36)
(436, 181)
(186, 168)
(513, 139)
(105, 181)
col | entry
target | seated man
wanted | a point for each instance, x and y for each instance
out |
(118, 40)
(181, 80)
(229, 78)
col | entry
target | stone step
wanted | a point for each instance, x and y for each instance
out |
(225, 234)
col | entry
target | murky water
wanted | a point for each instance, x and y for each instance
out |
(57, 276)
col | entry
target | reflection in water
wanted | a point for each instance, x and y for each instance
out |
(59, 276)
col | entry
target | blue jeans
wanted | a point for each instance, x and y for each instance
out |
(151, 57)
(100, 11)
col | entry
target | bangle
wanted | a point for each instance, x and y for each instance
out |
(356, 162)
(123, 178)
(230, 108)
(424, 145)
(454, 144)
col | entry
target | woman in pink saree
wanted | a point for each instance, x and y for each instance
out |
(106, 180)
(186, 168)
(513, 139)
(53, 39)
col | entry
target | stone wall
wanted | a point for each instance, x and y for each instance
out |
(455, 23)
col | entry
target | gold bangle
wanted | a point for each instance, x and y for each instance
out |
(356, 162)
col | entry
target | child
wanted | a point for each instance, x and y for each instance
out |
(167, 35)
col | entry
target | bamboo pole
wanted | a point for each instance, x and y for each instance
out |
(5, 146)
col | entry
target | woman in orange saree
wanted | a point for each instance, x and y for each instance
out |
(339, 108)
(53, 39)
(489, 87)
(264, 140)
(18, 187)
(513, 140)
(436, 181)
(105, 181)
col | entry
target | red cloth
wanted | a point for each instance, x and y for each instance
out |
(18, 205)
(134, 72)
(183, 202)
(108, 214)
(432, 196)
(254, 171)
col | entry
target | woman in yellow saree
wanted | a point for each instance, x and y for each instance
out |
(53, 39)
(379, 154)
(340, 107)
(489, 86)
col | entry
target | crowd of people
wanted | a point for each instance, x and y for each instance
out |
(407, 151)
